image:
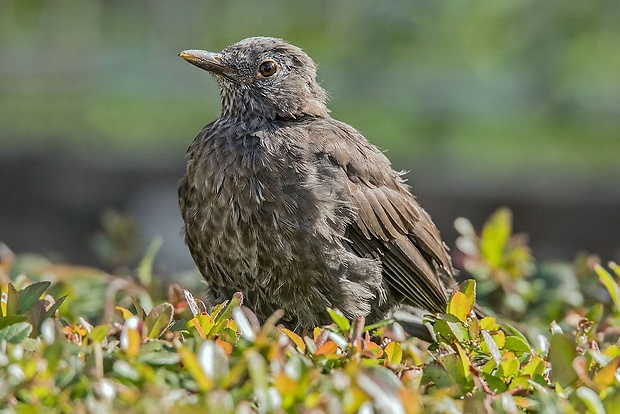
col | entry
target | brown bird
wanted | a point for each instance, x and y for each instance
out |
(296, 210)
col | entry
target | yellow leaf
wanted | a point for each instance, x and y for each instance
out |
(190, 362)
(488, 323)
(394, 353)
(296, 339)
(459, 306)
(126, 314)
(607, 375)
(194, 324)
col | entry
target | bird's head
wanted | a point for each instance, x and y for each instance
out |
(263, 77)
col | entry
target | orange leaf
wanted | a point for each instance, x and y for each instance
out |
(373, 349)
(328, 348)
(224, 345)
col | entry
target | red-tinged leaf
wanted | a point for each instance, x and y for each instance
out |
(393, 353)
(328, 348)
(297, 340)
(30, 295)
(459, 306)
(373, 350)
(473, 326)
(412, 378)
(158, 320)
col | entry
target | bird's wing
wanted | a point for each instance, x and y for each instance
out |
(389, 225)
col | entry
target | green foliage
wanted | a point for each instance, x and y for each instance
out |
(500, 262)
(176, 356)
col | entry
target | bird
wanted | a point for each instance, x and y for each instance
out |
(296, 210)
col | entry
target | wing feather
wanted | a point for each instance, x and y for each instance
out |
(389, 223)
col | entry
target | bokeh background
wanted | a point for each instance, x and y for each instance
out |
(487, 103)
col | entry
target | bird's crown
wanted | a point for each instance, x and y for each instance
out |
(264, 77)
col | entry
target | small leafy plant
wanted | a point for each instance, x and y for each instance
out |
(75, 339)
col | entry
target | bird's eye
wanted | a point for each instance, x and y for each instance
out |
(268, 68)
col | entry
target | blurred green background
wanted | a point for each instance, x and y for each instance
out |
(512, 102)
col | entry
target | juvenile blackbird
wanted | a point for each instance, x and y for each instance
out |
(296, 210)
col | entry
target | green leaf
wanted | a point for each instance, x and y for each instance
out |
(494, 383)
(145, 269)
(226, 312)
(12, 300)
(52, 310)
(468, 287)
(536, 366)
(509, 365)
(459, 306)
(15, 333)
(159, 357)
(591, 400)
(443, 331)
(495, 234)
(517, 345)
(30, 295)
(158, 319)
(99, 333)
(562, 352)
(595, 313)
(488, 323)
(458, 328)
(492, 346)
(394, 353)
(53, 355)
(10, 320)
(341, 321)
(610, 284)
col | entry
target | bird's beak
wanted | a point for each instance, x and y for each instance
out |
(209, 61)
